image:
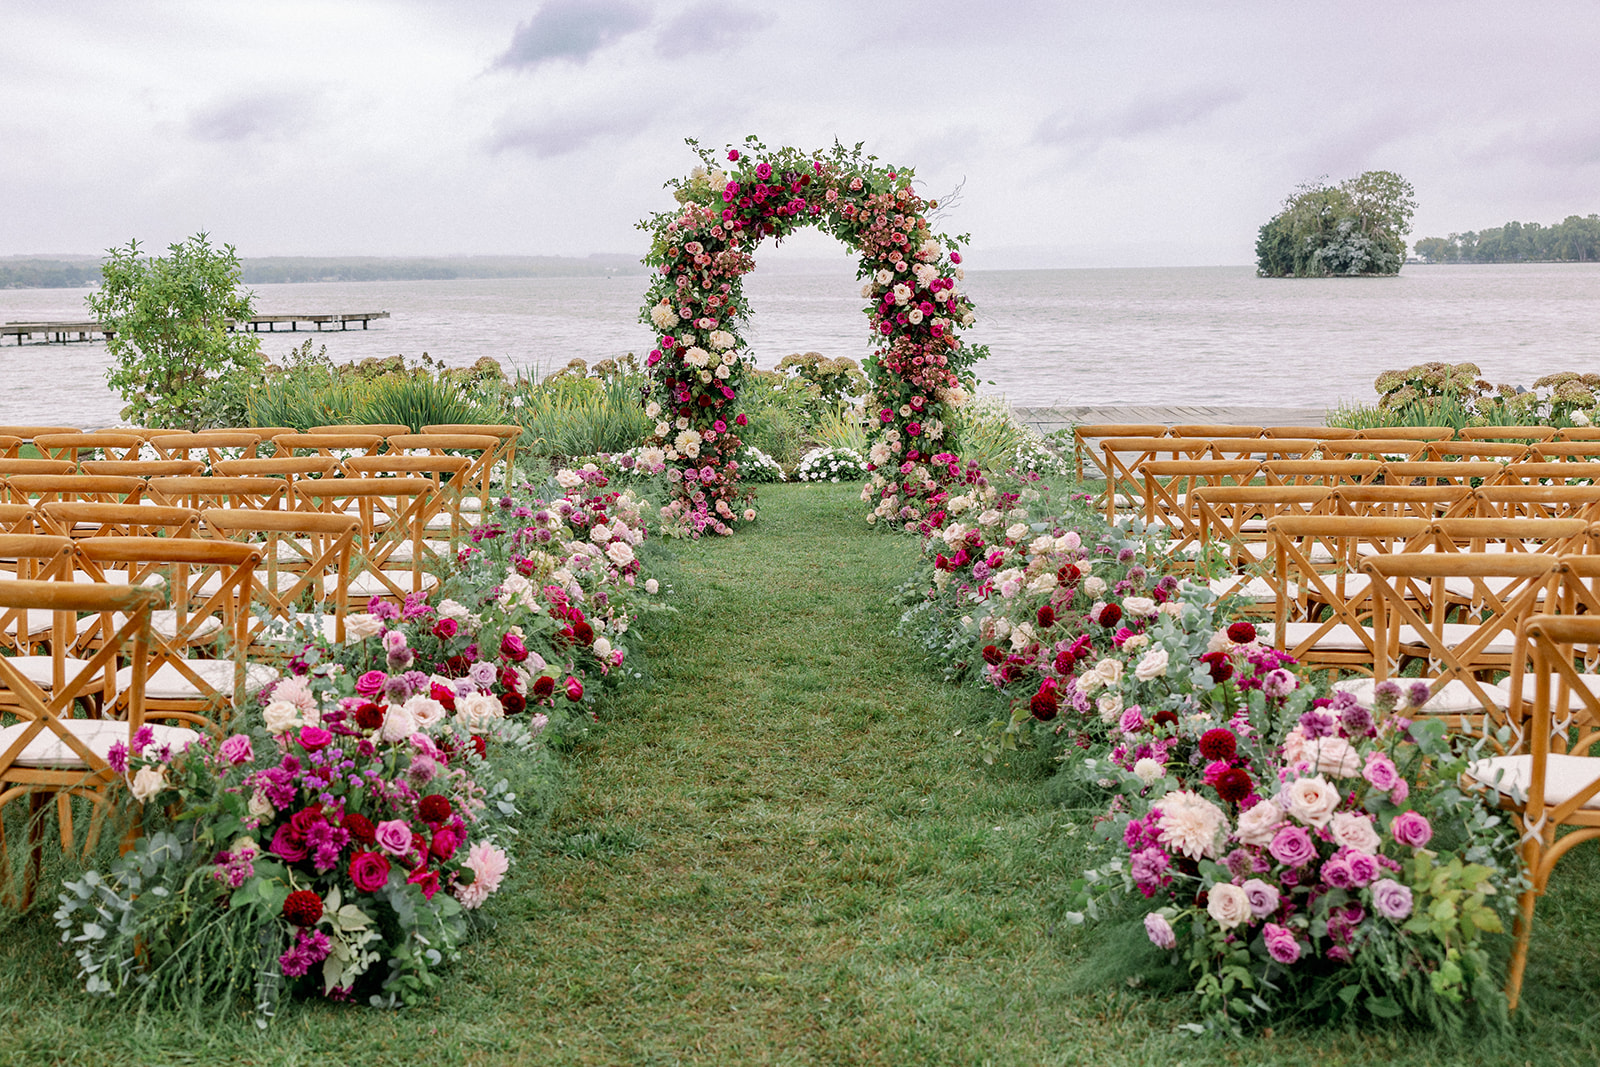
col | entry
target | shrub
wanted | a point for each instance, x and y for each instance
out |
(756, 466)
(828, 464)
(168, 336)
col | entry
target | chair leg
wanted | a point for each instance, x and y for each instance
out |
(1531, 848)
(37, 802)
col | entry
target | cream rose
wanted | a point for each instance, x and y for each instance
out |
(1312, 800)
(147, 783)
(1258, 825)
(1153, 665)
(1335, 756)
(477, 710)
(425, 711)
(1351, 830)
(1228, 904)
(1110, 706)
(1141, 606)
(360, 626)
(1110, 670)
(281, 716)
(398, 723)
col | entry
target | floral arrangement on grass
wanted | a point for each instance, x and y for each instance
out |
(831, 464)
(336, 844)
(920, 372)
(760, 467)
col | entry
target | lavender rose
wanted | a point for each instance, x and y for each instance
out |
(1391, 899)
(394, 837)
(1292, 846)
(1263, 897)
(1281, 943)
(1159, 931)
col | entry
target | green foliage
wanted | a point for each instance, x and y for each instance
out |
(843, 427)
(170, 342)
(46, 274)
(832, 381)
(1356, 227)
(780, 410)
(1575, 239)
(309, 390)
(569, 414)
(1441, 394)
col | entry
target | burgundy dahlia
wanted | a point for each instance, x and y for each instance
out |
(302, 907)
(992, 655)
(1044, 705)
(1220, 666)
(359, 827)
(1047, 617)
(1241, 633)
(433, 808)
(1233, 785)
(369, 716)
(1218, 744)
(1110, 615)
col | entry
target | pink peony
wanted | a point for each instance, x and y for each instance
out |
(488, 866)
(237, 749)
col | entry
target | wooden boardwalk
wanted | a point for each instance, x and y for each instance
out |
(90, 330)
(1048, 420)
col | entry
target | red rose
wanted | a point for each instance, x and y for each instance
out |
(446, 628)
(583, 633)
(444, 844)
(1233, 785)
(427, 880)
(433, 808)
(1241, 633)
(1220, 666)
(512, 648)
(303, 820)
(1218, 744)
(480, 746)
(543, 686)
(369, 871)
(302, 907)
(992, 655)
(359, 827)
(369, 716)
(1068, 573)
(443, 694)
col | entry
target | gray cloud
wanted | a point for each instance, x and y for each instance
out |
(572, 29)
(256, 117)
(1150, 115)
(713, 26)
(561, 134)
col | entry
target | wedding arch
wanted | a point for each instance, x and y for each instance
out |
(920, 371)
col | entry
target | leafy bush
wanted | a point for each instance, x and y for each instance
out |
(310, 390)
(756, 466)
(570, 414)
(843, 427)
(168, 336)
(828, 464)
(779, 412)
(1441, 394)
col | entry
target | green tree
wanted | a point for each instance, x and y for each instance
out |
(1355, 227)
(170, 343)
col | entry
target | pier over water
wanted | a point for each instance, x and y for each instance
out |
(89, 330)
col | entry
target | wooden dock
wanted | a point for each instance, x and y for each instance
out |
(1049, 420)
(89, 330)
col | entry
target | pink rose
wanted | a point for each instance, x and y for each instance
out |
(314, 737)
(512, 648)
(369, 871)
(1380, 772)
(574, 689)
(237, 750)
(1292, 846)
(1159, 931)
(394, 837)
(1281, 943)
(371, 683)
(1391, 899)
(288, 845)
(446, 628)
(1411, 828)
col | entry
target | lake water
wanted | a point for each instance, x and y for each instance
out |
(1197, 335)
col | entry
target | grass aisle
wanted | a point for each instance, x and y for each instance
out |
(779, 852)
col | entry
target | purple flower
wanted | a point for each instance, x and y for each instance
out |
(394, 641)
(1363, 868)
(1263, 897)
(1336, 873)
(1159, 931)
(1419, 694)
(141, 738)
(1385, 695)
(1411, 828)
(310, 948)
(1315, 724)
(482, 673)
(1281, 943)
(1391, 899)
(326, 841)
(117, 757)
(1292, 846)
(397, 690)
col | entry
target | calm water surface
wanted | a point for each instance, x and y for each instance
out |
(1201, 335)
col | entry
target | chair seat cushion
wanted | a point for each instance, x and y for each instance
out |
(40, 669)
(1565, 776)
(168, 683)
(1455, 634)
(364, 584)
(49, 750)
(1574, 698)
(164, 621)
(1257, 590)
(1455, 697)
(1339, 638)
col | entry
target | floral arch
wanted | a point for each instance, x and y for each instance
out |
(920, 371)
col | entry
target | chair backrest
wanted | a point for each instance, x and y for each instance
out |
(1402, 501)
(99, 488)
(1575, 451)
(1122, 460)
(37, 558)
(1550, 473)
(1434, 472)
(1562, 713)
(142, 468)
(218, 490)
(391, 555)
(28, 433)
(1408, 433)
(1325, 472)
(1507, 433)
(328, 444)
(71, 446)
(1235, 516)
(10, 468)
(1567, 433)
(1220, 429)
(1085, 432)
(1319, 433)
(508, 434)
(1383, 449)
(79, 519)
(1523, 501)
(1500, 451)
(289, 469)
(213, 445)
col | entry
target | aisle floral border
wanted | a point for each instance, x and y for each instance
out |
(921, 372)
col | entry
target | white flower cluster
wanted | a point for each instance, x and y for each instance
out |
(756, 466)
(830, 464)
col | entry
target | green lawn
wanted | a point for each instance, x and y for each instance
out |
(785, 851)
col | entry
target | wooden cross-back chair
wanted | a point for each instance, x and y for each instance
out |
(1550, 472)
(87, 488)
(338, 446)
(1384, 450)
(1234, 518)
(1566, 433)
(1168, 485)
(1402, 501)
(391, 559)
(1569, 451)
(11, 447)
(16, 519)
(1122, 460)
(311, 548)
(1491, 451)
(1085, 433)
(47, 753)
(1523, 501)
(289, 469)
(1411, 594)
(1526, 434)
(1323, 603)
(28, 433)
(1322, 472)
(1217, 429)
(141, 468)
(452, 480)
(80, 519)
(1443, 472)
(28, 468)
(209, 583)
(1407, 433)
(207, 446)
(475, 483)
(1551, 786)
(42, 557)
(1316, 433)
(507, 435)
(105, 444)
(381, 429)
(221, 491)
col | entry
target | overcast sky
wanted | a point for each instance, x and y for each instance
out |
(1087, 134)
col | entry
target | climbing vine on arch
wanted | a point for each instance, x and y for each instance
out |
(920, 370)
